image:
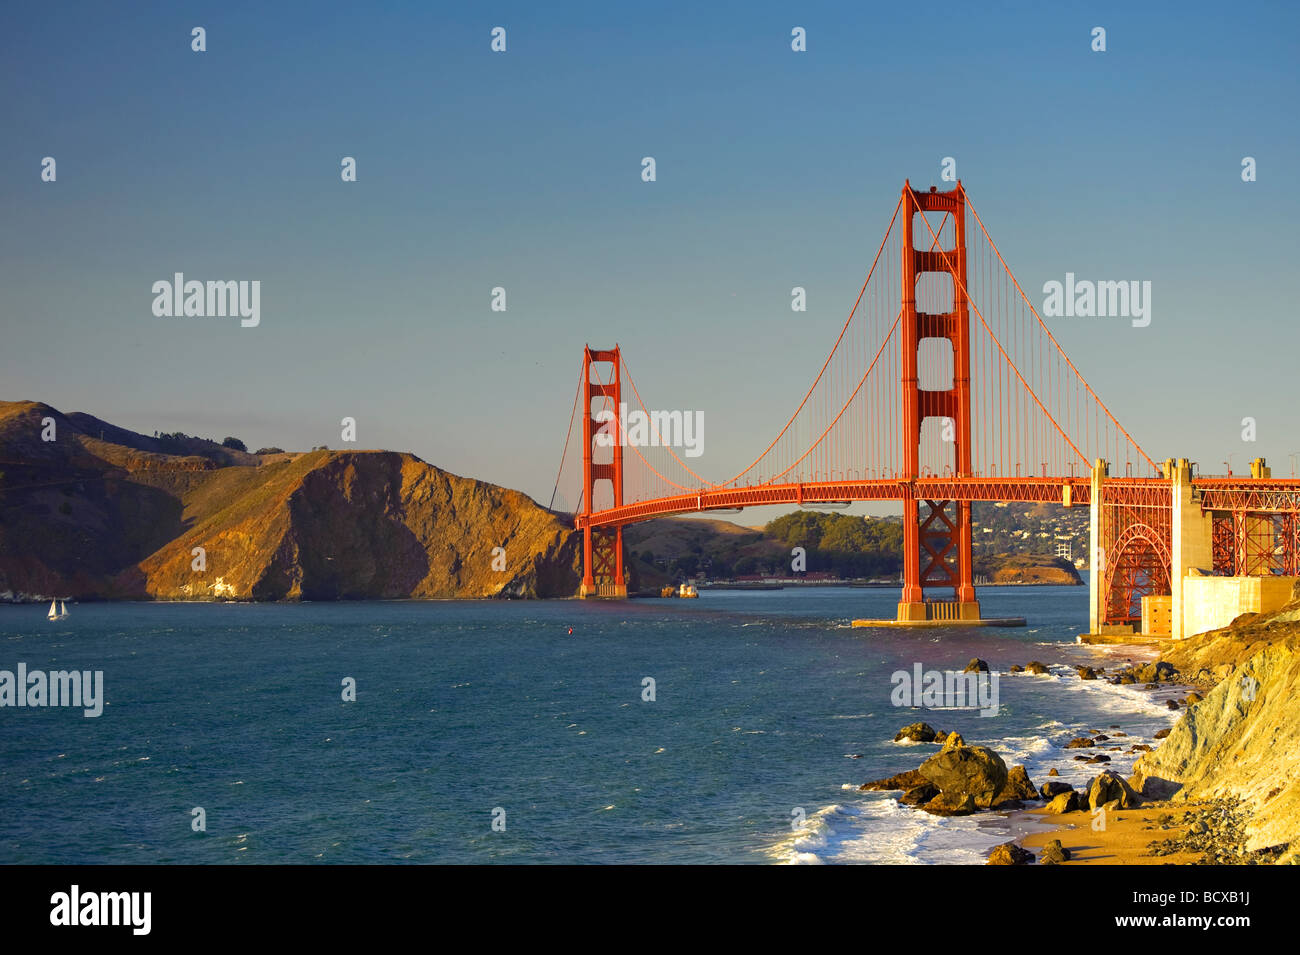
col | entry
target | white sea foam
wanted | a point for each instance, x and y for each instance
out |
(879, 830)
(874, 828)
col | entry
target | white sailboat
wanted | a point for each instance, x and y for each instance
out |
(54, 611)
(63, 609)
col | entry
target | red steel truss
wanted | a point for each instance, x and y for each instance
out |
(1256, 524)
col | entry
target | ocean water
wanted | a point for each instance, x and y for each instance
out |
(467, 712)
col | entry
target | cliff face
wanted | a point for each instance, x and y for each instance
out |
(86, 518)
(1243, 739)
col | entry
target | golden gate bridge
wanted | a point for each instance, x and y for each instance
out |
(944, 387)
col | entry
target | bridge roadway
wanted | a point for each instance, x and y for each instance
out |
(1222, 493)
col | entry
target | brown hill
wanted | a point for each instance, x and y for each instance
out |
(1027, 569)
(82, 517)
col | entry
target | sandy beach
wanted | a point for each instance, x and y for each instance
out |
(1125, 840)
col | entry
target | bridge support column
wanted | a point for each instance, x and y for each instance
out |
(1191, 541)
(936, 534)
(602, 547)
(1097, 558)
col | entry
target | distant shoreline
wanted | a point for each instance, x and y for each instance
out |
(30, 599)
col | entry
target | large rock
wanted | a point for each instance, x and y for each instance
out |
(950, 804)
(1053, 788)
(976, 665)
(1010, 854)
(919, 795)
(1017, 786)
(976, 771)
(909, 779)
(1054, 853)
(916, 732)
(1086, 673)
(1111, 786)
(1033, 666)
(1080, 742)
(952, 741)
(1063, 802)
(1160, 672)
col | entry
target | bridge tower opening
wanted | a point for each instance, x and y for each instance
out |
(602, 437)
(936, 534)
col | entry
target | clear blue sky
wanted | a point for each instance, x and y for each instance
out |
(522, 170)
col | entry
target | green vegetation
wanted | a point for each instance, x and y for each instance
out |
(176, 442)
(842, 544)
(270, 451)
(186, 445)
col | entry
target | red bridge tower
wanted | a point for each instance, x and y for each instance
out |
(936, 534)
(602, 547)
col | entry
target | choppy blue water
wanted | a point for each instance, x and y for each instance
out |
(466, 707)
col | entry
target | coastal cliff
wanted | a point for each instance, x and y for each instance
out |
(117, 518)
(1242, 741)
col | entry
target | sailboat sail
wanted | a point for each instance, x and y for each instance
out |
(54, 612)
(63, 608)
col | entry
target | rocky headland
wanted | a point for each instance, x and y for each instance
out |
(100, 512)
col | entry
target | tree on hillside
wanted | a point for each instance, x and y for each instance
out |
(235, 445)
(687, 566)
(842, 544)
(799, 529)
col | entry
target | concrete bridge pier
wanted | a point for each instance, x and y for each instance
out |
(1097, 556)
(1190, 544)
(1191, 532)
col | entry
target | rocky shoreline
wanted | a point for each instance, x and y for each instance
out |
(1144, 819)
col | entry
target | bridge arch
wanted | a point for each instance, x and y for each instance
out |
(1137, 566)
